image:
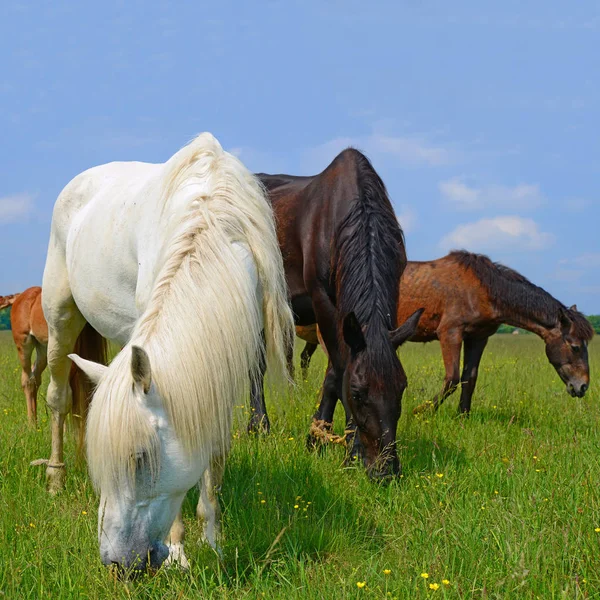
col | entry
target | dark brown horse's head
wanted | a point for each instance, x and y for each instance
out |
(373, 384)
(566, 349)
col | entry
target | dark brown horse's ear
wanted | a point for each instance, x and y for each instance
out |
(573, 308)
(565, 321)
(406, 330)
(353, 335)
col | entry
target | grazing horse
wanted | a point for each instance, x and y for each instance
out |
(466, 298)
(30, 332)
(6, 301)
(172, 261)
(343, 252)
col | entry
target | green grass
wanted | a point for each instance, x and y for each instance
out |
(502, 505)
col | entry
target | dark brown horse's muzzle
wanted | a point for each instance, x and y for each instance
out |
(577, 390)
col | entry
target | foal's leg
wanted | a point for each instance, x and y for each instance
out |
(473, 352)
(208, 510)
(41, 361)
(451, 343)
(259, 420)
(25, 347)
(309, 350)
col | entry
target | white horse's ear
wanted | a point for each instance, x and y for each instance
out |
(93, 370)
(140, 368)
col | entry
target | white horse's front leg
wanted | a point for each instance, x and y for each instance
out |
(175, 543)
(208, 510)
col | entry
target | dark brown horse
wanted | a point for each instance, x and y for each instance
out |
(466, 298)
(343, 252)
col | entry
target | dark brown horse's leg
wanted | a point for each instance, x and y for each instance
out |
(305, 357)
(473, 351)
(451, 343)
(259, 420)
(322, 423)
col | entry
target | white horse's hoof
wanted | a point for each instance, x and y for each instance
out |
(177, 557)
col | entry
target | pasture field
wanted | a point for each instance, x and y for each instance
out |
(505, 504)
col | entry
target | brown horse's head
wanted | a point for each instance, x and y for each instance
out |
(373, 384)
(566, 349)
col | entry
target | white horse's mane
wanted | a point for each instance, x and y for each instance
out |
(202, 326)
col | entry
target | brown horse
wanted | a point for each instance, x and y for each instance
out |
(310, 335)
(6, 301)
(466, 298)
(343, 253)
(30, 332)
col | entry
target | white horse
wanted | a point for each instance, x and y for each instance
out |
(179, 263)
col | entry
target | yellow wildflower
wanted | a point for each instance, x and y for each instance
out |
(361, 584)
(440, 475)
(597, 530)
(434, 586)
(84, 512)
(295, 506)
(445, 582)
(424, 575)
(387, 571)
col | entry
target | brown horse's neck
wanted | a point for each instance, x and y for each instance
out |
(528, 323)
(7, 300)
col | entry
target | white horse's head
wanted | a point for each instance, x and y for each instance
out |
(141, 468)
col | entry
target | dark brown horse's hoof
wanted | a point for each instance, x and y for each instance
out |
(426, 407)
(258, 426)
(320, 434)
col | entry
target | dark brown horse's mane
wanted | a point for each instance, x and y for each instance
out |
(368, 258)
(513, 292)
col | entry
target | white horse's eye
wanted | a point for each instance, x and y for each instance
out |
(141, 459)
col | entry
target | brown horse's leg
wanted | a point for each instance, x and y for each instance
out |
(305, 357)
(259, 420)
(41, 361)
(473, 351)
(450, 343)
(25, 348)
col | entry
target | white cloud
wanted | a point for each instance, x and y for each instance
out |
(577, 205)
(510, 233)
(17, 207)
(589, 260)
(466, 197)
(411, 150)
(407, 218)
(408, 150)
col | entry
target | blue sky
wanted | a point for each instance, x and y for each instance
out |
(482, 118)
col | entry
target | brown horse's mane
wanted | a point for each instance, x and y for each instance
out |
(368, 259)
(514, 293)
